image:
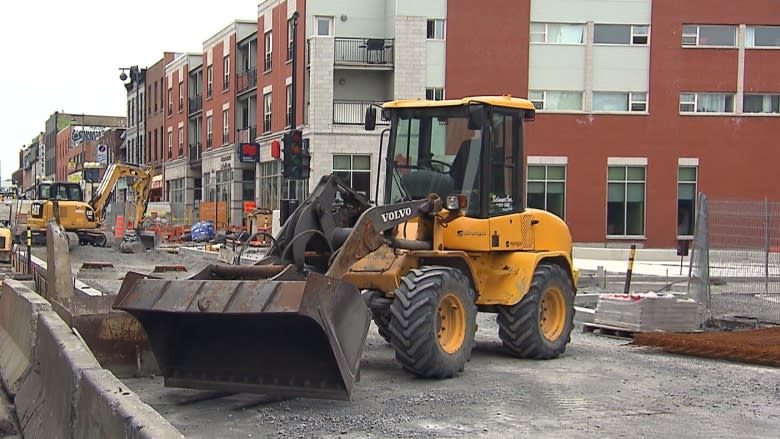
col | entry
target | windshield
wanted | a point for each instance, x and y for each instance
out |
(60, 191)
(433, 152)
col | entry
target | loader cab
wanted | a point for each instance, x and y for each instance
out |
(472, 146)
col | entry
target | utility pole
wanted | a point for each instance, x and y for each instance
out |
(294, 92)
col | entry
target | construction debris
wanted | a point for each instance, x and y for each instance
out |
(757, 346)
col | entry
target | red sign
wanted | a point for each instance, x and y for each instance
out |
(248, 152)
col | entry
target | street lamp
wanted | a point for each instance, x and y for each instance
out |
(135, 76)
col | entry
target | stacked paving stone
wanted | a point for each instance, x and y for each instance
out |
(647, 312)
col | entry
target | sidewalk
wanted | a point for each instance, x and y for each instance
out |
(653, 262)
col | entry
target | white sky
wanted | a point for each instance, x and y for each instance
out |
(65, 55)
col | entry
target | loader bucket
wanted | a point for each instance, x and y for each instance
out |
(280, 337)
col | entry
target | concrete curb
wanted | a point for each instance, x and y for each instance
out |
(62, 389)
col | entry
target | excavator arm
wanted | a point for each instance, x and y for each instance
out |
(141, 185)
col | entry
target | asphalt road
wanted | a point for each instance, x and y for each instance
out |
(601, 387)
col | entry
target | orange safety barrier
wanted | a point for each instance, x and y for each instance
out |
(119, 230)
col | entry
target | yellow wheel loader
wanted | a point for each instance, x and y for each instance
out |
(453, 238)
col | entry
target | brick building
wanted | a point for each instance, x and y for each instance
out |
(641, 104)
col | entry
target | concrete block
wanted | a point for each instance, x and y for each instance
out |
(59, 279)
(44, 402)
(108, 409)
(19, 309)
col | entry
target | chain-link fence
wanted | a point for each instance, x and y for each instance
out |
(735, 265)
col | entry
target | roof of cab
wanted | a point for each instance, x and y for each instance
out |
(498, 101)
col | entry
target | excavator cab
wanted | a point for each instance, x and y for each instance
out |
(452, 237)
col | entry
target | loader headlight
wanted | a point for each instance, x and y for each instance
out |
(457, 202)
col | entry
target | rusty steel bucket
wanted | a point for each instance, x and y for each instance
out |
(227, 328)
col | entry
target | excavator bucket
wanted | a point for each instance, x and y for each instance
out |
(246, 329)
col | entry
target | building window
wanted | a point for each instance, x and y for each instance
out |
(288, 119)
(323, 25)
(435, 30)
(621, 34)
(686, 200)
(269, 178)
(557, 33)
(709, 35)
(170, 101)
(434, 94)
(755, 103)
(547, 188)
(762, 36)
(209, 131)
(626, 200)
(181, 142)
(248, 184)
(619, 101)
(176, 197)
(267, 113)
(290, 38)
(556, 100)
(225, 127)
(181, 96)
(355, 170)
(706, 103)
(268, 52)
(209, 81)
(226, 70)
(170, 144)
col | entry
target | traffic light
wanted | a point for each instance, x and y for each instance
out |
(296, 159)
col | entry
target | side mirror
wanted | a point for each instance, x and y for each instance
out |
(370, 120)
(476, 114)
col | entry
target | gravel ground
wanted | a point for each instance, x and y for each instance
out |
(599, 387)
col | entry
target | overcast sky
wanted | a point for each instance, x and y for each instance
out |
(65, 56)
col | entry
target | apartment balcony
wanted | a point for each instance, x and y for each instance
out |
(195, 104)
(374, 53)
(350, 112)
(193, 154)
(246, 81)
(246, 134)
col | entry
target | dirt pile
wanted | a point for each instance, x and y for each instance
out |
(758, 346)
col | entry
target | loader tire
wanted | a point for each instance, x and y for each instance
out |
(539, 326)
(382, 322)
(433, 322)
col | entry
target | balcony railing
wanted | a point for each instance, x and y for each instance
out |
(193, 153)
(348, 112)
(195, 104)
(246, 134)
(246, 80)
(364, 51)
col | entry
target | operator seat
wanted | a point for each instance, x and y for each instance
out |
(421, 182)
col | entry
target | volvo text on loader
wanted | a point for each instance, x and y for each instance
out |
(453, 238)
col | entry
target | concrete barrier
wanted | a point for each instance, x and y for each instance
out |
(19, 310)
(61, 390)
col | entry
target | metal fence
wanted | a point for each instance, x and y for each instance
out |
(735, 264)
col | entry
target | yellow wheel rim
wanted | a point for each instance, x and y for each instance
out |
(451, 325)
(552, 314)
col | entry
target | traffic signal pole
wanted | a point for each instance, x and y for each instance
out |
(292, 154)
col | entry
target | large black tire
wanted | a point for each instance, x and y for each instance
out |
(433, 322)
(382, 322)
(539, 326)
